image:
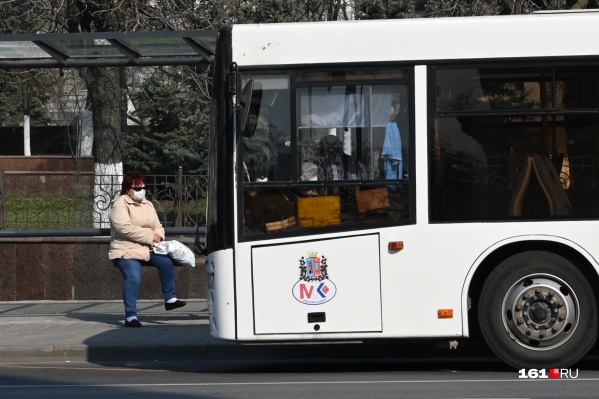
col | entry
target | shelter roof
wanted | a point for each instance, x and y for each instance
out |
(107, 49)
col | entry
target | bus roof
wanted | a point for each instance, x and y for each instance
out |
(417, 40)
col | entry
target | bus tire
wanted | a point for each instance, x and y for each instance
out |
(537, 310)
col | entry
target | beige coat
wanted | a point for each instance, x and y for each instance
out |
(132, 228)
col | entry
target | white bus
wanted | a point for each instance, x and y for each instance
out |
(408, 179)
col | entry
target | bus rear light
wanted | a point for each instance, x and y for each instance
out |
(445, 313)
(396, 245)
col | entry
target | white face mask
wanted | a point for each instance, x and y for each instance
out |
(139, 195)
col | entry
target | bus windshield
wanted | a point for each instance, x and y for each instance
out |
(339, 156)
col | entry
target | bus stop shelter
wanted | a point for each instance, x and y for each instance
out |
(101, 50)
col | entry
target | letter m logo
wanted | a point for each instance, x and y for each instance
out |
(306, 292)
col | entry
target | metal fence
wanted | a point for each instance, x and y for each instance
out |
(66, 200)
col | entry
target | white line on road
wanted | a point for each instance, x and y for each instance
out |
(217, 384)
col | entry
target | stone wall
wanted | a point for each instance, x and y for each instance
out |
(46, 163)
(78, 269)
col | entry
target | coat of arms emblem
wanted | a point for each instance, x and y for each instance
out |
(314, 286)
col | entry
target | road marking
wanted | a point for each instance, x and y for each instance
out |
(224, 384)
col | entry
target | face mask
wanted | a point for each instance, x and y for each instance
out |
(139, 195)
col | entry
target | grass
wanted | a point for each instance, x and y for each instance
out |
(72, 212)
(47, 212)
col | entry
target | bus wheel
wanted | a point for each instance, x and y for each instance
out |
(537, 310)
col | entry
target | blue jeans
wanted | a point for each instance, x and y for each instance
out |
(131, 271)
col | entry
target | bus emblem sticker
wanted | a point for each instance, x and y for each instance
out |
(314, 286)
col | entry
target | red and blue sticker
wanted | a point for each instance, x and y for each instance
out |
(314, 286)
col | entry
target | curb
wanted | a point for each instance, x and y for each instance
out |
(43, 354)
(230, 351)
(83, 353)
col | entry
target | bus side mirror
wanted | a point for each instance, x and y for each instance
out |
(250, 101)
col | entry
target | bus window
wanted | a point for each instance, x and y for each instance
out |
(266, 154)
(347, 161)
(515, 143)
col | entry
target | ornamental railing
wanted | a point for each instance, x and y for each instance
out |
(63, 200)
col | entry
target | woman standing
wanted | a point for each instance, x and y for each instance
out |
(134, 229)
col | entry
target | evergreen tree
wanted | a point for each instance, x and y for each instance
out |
(11, 112)
(24, 92)
(173, 117)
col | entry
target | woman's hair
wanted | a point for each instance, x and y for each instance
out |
(132, 179)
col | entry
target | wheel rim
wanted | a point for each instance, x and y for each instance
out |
(540, 312)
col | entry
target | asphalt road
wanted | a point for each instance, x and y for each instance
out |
(276, 379)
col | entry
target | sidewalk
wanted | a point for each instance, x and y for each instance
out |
(56, 331)
(93, 331)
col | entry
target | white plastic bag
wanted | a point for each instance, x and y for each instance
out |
(179, 253)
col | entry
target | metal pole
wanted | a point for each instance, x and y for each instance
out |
(180, 197)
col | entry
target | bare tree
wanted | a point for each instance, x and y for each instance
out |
(378, 9)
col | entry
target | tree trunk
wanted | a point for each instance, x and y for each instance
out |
(26, 117)
(104, 93)
(26, 135)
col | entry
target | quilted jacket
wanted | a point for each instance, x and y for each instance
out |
(132, 228)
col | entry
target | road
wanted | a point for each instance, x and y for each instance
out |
(347, 379)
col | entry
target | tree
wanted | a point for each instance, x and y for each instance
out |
(23, 96)
(390, 9)
(273, 11)
(10, 98)
(169, 107)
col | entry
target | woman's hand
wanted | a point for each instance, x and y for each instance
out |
(156, 240)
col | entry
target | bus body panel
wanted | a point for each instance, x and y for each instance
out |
(416, 282)
(323, 286)
(221, 293)
(437, 39)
